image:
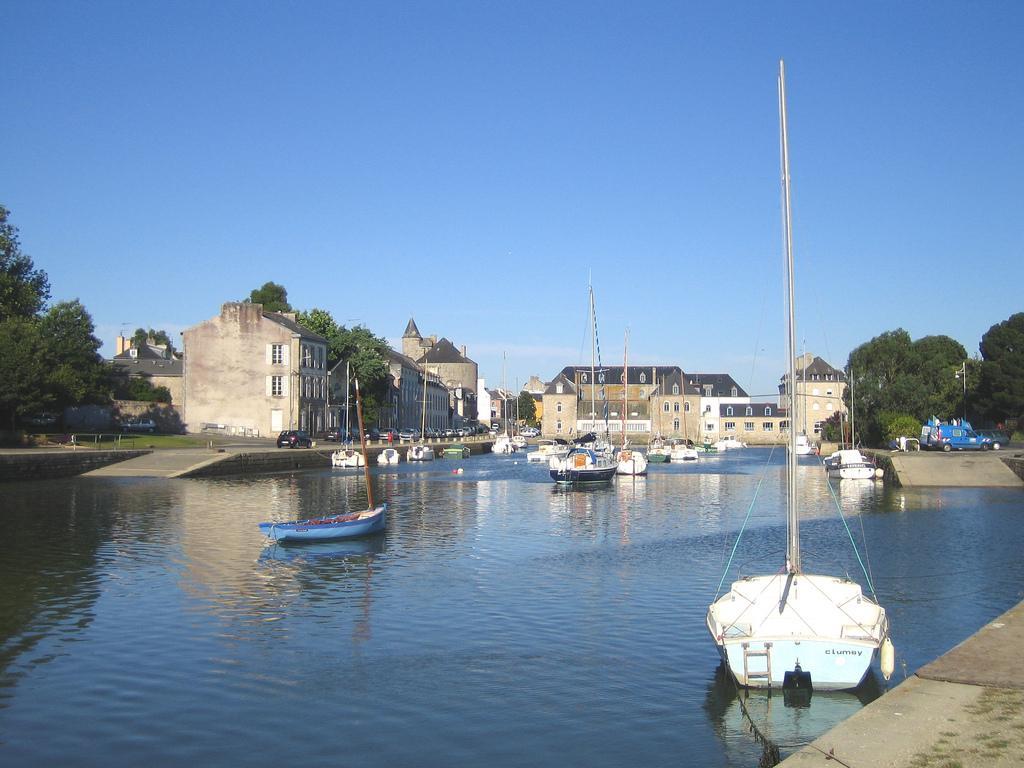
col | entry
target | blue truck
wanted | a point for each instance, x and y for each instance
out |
(955, 435)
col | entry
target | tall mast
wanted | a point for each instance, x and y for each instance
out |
(593, 357)
(792, 515)
(423, 416)
(625, 385)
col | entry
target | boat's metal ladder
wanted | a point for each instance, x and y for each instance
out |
(757, 674)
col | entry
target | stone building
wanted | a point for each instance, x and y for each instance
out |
(252, 372)
(411, 389)
(152, 362)
(655, 400)
(716, 390)
(753, 423)
(458, 373)
(560, 401)
(820, 389)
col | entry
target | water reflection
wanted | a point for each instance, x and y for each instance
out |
(787, 721)
(564, 624)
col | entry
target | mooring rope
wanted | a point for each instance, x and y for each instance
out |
(849, 533)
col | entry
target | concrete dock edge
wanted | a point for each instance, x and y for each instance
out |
(963, 710)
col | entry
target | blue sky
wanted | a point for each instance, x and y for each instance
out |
(471, 163)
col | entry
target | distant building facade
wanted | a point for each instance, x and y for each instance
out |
(152, 362)
(457, 371)
(820, 389)
(254, 372)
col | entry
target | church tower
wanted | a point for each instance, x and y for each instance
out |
(412, 341)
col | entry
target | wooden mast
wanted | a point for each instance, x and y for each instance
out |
(362, 443)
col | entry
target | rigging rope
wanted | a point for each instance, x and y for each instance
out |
(849, 533)
(746, 519)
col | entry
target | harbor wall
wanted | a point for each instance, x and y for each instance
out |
(30, 465)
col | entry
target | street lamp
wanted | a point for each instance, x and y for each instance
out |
(961, 373)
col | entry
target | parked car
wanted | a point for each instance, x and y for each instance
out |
(409, 434)
(385, 433)
(138, 425)
(336, 435)
(998, 437)
(294, 438)
(530, 432)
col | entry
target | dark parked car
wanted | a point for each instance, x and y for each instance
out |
(294, 438)
(139, 425)
(371, 434)
(999, 438)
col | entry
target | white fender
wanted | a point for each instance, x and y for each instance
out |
(879, 472)
(887, 658)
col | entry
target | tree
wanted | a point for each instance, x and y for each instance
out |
(22, 370)
(272, 296)
(527, 407)
(76, 373)
(141, 337)
(1000, 392)
(24, 289)
(365, 352)
(892, 374)
(139, 388)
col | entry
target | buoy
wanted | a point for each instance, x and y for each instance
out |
(879, 472)
(887, 658)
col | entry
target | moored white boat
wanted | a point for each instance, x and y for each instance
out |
(630, 461)
(546, 449)
(420, 452)
(503, 444)
(728, 443)
(346, 457)
(680, 452)
(850, 464)
(818, 631)
(658, 452)
(804, 447)
(388, 456)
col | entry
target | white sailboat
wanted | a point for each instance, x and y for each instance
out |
(421, 451)
(792, 627)
(629, 461)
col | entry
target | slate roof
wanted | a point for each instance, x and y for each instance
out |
(443, 352)
(398, 357)
(148, 366)
(638, 375)
(817, 370)
(411, 331)
(739, 410)
(568, 388)
(721, 383)
(293, 326)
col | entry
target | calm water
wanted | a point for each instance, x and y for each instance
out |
(497, 622)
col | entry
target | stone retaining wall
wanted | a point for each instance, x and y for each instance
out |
(50, 464)
(300, 458)
(1016, 463)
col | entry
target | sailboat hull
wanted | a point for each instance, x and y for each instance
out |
(766, 625)
(329, 528)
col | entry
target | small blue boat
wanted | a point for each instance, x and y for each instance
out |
(347, 526)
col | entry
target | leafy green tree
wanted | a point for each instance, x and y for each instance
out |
(76, 372)
(892, 374)
(142, 337)
(272, 296)
(24, 289)
(23, 370)
(895, 425)
(527, 409)
(1000, 391)
(365, 352)
(139, 388)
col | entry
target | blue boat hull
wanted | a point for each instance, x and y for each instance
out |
(328, 528)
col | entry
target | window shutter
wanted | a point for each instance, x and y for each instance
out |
(270, 353)
(270, 380)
